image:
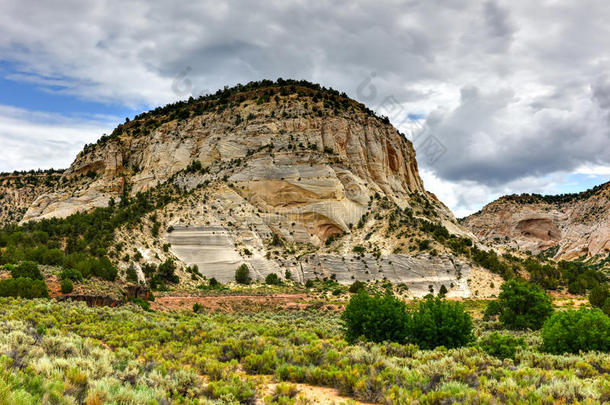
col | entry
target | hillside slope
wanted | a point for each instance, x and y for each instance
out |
(283, 176)
(566, 227)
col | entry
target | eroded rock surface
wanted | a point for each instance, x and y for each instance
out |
(573, 226)
(270, 180)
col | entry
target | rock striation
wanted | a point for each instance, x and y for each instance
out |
(19, 190)
(566, 227)
(271, 175)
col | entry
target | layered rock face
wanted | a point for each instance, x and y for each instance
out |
(572, 225)
(19, 190)
(292, 166)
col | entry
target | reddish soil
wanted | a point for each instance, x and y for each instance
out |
(54, 286)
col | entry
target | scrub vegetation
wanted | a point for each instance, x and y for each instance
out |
(64, 353)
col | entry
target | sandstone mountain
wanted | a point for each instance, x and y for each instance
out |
(568, 226)
(284, 177)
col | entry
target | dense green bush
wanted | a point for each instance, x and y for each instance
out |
(492, 310)
(599, 297)
(27, 269)
(71, 274)
(442, 291)
(142, 303)
(377, 318)
(166, 271)
(357, 286)
(574, 331)
(66, 286)
(272, 279)
(131, 274)
(242, 274)
(521, 305)
(101, 268)
(491, 261)
(437, 322)
(501, 346)
(23, 287)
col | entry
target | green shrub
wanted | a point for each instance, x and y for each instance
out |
(284, 393)
(27, 270)
(237, 390)
(242, 274)
(71, 274)
(357, 286)
(214, 283)
(23, 287)
(573, 331)
(492, 309)
(166, 271)
(272, 279)
(131, 274)
(599, 297)
(522, 305)
(309, 284)
(142, 303)
(101, 268)
(264, 363)
(437, 322)
(197, 307)
(66, 286)
(378, 318)
(501, 346)
(442, 291)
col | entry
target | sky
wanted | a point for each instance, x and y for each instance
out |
(498, 97)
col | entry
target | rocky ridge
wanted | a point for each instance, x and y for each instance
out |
(564, 227)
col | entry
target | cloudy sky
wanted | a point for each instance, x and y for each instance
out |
(498, 96)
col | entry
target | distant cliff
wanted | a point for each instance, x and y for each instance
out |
(567, 226)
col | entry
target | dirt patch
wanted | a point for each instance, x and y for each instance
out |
(54, 286)
(311, 394)
(241, 303)
(563, 299)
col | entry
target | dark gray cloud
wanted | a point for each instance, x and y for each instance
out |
(601, 92)
(512, 89)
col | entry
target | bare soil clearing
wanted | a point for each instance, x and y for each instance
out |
(233, 303)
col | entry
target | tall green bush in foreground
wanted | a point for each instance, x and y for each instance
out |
(574, 331)
(440, 323)
(521, 305)
(384, 318)
(378, 318)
